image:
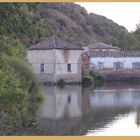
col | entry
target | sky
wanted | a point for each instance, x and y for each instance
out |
(126, 14)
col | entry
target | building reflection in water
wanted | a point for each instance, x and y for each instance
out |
(93, 109)
(138, 116)
(136, 98)
(118, 96)
(61, 103)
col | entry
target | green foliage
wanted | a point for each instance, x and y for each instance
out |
(71, 22)
(123, 39)
(87, 81)
(11, 47)
(32, 22)
(136, 38)
(61, 83)
(13, 20)
(99, 80)
(19, 94)
(92, 73)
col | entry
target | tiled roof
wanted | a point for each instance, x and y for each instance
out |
(54, 43)
(115, 54)
(102, 46)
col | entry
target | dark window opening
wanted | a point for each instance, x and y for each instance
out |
(69, 99)
(118, 66)
(42, 67)
(136, 65)
(100, 64)
(69, 67)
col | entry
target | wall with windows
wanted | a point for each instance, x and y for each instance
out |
(42, 63)
(101, 63)
(67, 61)
(38, 58)
(55, 64)
(68, 65)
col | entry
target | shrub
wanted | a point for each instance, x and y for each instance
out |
(19, 95)
(99, 80)
(61, 83)
(87, 81)
(92, 73)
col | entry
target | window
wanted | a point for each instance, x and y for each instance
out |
(69, 99)
(118, 66)
(136, 65)
(100, 65)
(42, 67)
(69, 67)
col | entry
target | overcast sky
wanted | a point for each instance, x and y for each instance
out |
(126, 14)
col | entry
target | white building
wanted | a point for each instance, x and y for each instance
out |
(55, 59)
(123, 62)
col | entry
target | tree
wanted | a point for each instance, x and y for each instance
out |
(13, 20)
(19, 95)
(11, 47)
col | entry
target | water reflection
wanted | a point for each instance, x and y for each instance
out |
(113, 109)
(138, 116)
(61, 103)
(117, 97)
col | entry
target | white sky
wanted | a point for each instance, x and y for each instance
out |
(126, 14)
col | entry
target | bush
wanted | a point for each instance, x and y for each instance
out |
(99, 80)
(92, 73)
(19, 95)
(61, 83)
(11, 47)
(87, 81)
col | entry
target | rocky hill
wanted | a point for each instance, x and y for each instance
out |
(71, 22)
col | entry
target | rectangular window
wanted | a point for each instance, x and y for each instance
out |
(118, 66)
(42, 67)
(100, 65)
(69, 99)
(69, 67)
(136, 66)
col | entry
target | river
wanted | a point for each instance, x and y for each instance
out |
(110, 110)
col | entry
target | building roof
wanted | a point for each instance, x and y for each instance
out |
(54, 43)
(115, 54)
(102, 46)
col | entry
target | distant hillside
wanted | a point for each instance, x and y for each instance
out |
(30, 23)
(71, 22)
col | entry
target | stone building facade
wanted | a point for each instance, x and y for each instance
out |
(55, 59)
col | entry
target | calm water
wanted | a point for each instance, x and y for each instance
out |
(110, 110)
